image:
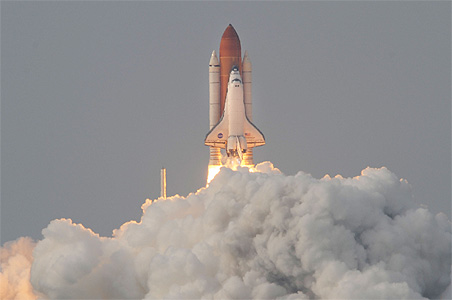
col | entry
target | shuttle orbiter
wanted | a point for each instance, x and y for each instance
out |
(231, 103)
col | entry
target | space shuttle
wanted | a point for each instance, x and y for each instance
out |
(230, 99)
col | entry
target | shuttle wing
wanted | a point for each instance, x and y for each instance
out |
(218, 135)
(254, 136)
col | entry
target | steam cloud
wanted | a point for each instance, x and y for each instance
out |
(261, 235)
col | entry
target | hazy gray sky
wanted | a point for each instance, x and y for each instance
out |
(97, 96)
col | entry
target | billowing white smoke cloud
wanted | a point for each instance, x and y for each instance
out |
(16, 258)
(260, 235)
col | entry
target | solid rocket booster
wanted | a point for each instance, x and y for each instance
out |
(214, 99)
(246, 77)
(220, 72)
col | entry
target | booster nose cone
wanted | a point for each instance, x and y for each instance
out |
(214, 60)
(246, 63)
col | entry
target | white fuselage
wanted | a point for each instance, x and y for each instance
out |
(234, 132)
(235, 104)
(235, 108)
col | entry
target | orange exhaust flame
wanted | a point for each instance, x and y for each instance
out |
(231, 163)
(213, 170)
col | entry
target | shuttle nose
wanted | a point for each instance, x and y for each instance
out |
(235, 75)
(234, 71)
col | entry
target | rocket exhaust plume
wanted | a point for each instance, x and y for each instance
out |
(230, 99)
(249, 235)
